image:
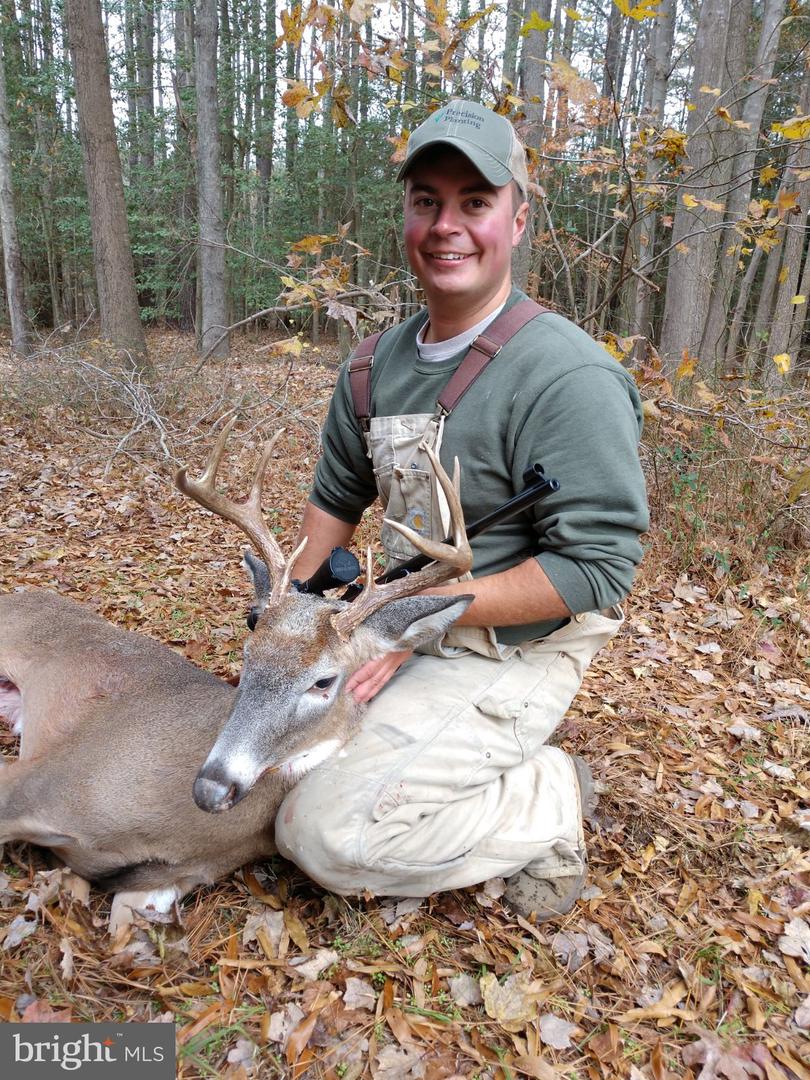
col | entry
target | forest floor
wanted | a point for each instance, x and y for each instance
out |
(689, 952)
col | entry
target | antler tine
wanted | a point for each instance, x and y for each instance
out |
(450, 560)
(247, 515)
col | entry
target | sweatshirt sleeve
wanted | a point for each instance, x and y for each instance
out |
(584, 429)
(344, 479)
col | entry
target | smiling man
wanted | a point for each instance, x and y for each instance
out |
(451, 780)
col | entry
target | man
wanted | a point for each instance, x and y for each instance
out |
(451, 781)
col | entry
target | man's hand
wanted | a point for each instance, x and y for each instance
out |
(369, 679)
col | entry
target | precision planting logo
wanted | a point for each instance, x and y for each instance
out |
(43, 1051)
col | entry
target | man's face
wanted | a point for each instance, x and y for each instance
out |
(459, 230)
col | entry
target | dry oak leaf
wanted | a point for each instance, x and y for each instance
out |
(730, 1063)
(556, 1032)
(359, 994)
(665, 1008)
(40, 1012)
(514, 1002)
(796, 939)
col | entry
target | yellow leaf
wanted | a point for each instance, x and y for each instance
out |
(783, 275)
(313, 245)
(689, 200)
(798, 127)
(800, 484)
(295, 93)
(289, 282)
(534, 22)
(642, 10)
(468, 24)
(690, 107)
(767, 174)
(724, 114)
(610, 343)
(687, 366)
(682, 248)
(437, 10)
(798, 300)
(710, 90)
(782, 362)
(292, 346)
(469, 64)
(710, 205)
(786, 201)
(572, 14)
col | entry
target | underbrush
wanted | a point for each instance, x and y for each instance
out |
(729, 484)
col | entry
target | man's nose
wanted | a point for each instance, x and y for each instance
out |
(446, 222)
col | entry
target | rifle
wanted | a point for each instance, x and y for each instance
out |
(342, 567)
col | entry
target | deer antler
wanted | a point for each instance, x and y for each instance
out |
(247, 515)
(450, 560)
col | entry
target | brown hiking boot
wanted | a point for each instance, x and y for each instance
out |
(548, 898)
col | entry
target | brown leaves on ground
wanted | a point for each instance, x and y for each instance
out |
(687, 955)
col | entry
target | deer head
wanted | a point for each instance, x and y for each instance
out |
(291, 711)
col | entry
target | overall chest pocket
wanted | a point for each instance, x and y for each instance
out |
(404, 478)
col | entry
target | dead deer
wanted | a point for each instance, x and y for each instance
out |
(114, 726)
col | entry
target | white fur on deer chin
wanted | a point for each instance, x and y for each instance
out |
(296, 767)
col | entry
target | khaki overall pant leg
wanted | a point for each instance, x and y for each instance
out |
(450, 781)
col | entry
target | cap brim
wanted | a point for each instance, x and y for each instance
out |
(491, 169)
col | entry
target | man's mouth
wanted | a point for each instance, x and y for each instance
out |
(447, 256)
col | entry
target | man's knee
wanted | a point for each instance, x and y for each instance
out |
(319, 836)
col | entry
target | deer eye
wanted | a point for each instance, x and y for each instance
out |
(324, 684)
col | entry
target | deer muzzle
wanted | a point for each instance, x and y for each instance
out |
(217, 793)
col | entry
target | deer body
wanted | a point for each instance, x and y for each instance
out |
(128, 752)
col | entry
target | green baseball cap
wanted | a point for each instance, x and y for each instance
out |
(485, 138)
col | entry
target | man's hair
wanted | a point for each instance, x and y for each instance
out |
(518, 198)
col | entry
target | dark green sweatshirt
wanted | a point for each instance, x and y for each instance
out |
(553, 396)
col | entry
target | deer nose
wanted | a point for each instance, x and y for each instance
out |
(214, 795)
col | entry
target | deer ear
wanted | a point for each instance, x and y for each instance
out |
(257, 572)
(415, 620)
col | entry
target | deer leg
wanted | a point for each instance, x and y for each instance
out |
(126, 903)
(19, 820)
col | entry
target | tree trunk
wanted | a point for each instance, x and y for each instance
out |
(692, 259)
(792, 251)
(532, 78)
(756, 87)
(514, 19)
(145, 67)
(12, 260)
(112, 254)
(209, 185)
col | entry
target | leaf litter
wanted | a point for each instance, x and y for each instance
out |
(687, 955)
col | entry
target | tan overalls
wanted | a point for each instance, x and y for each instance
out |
(450, 781)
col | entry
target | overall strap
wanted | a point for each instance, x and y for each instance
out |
(485, 348)
(360, 377)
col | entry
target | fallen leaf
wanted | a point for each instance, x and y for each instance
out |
(359, 994)
(465, 990)
(796, 939)
(312, 968)
(556, 1032)
(18, 930)
(514, 1002)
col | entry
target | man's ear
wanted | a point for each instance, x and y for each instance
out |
(415, 620)
(519, 223)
